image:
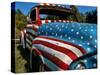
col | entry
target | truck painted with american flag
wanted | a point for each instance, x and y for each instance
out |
(58, 42)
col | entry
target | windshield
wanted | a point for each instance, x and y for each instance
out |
(33, 15)
(53, 14)
(56, 15)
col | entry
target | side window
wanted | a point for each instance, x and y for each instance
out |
(33, 15)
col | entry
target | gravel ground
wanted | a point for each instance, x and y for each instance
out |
(21, 60)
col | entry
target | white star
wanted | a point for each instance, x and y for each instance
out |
(73, 41)
(77, 33)
(56, 34)
(61, 36)
(66, 27)
(56, 25)
(65, 35)
(59, 29)
(91, 29)
(88, 43)
(69, 38)
(88, 49)
(91, 36)
(62, 25)
(95, 46)
(81, 37)
(50, 28)
(72, 30)
(85, 61)
(95, 41)
(80, 28)
(80, 44)
(85, 29)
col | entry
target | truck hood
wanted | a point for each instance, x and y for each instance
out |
(81, 34)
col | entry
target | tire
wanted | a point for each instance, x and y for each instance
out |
(36, 64)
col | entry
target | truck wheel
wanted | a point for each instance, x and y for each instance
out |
(36, 64)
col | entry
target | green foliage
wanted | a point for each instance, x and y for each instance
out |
(20, 19)
(71, 17)
(88, 17)
(91, 17)
(74, 8)
(80, 16)
(52, 17)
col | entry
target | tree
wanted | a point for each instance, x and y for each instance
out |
(52, 17)
(91, 17)
(80, 16)
(18, 11)
(20, 22)
(20, 19)
(74, 8)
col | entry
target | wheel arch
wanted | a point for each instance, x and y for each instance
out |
(39, 54)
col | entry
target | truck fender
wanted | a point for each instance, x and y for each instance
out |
(39, 54)
(22, 39)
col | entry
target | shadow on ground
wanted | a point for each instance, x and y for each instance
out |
(24, 54)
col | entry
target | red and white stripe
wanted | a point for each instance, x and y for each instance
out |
(49, 4)
(61, 53)
(49, 21)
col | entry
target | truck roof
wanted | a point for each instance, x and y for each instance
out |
(58, 7)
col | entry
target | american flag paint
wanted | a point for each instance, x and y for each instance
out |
(61, 43)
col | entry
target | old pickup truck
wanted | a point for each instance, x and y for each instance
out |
(57, 40)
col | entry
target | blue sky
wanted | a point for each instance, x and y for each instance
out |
(26, 6)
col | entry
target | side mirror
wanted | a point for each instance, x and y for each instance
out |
(28, 20)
